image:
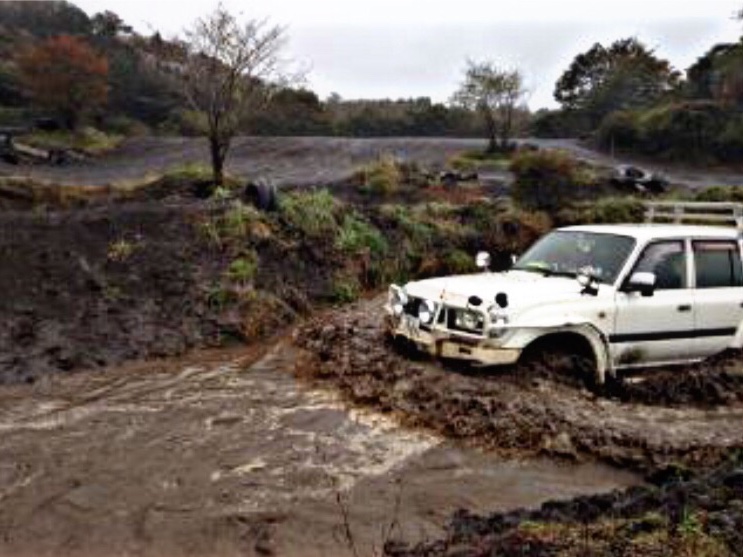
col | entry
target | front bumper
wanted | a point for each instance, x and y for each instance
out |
(449, 345)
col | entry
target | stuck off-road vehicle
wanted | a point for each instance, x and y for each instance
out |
(601, 298)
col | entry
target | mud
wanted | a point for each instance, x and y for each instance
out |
(516, 414)
(702, 516)
(224, 453)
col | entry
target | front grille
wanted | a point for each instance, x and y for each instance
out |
(412, 307)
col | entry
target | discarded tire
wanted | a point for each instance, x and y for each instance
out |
(261, 194)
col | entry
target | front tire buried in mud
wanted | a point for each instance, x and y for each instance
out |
(566, 361)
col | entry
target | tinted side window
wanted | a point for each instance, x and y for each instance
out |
(667, 260)
(717, 264)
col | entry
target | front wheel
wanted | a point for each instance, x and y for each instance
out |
(573, 366)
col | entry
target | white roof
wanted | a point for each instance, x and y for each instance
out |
(645, 232)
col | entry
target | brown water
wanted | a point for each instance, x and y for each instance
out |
(230, 455)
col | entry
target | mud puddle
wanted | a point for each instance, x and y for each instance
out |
(230, 455)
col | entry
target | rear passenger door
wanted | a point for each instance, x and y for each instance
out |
(718, 294)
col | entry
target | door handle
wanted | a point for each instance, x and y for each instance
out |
(684, 307)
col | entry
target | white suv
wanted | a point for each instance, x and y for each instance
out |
(609, 297)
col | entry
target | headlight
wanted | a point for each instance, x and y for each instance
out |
(426, 312)
(398, 299)
(467, 320)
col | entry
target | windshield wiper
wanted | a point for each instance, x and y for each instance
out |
(546, 272)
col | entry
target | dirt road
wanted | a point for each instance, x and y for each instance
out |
(227, 454)
(306, 161)
(287, 161)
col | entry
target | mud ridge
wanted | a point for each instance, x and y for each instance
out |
(700, 516)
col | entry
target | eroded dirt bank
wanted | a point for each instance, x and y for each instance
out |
(225, 453)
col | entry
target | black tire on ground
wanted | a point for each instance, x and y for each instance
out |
(10, 158)
(262, 195)
(656, 186)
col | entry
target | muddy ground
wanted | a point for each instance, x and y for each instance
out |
(225, 453)
(517, 414)
(671, 427)
(302, 161)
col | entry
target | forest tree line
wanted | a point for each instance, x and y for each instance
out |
(63, 67)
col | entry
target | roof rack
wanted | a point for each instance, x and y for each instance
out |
(696, 212)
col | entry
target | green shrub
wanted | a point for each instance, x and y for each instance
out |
(459, 262)
(236, 221)
(189, 172)
(185, 122)
(125, 126)
(383, 177)
(730, 141)
(346, 289)
(682, 130)
(720, 193)
(619, 130)
(609, 210)
(357, 236)
(547, 180)
(242, 270)
(89, 140)
(313, 213)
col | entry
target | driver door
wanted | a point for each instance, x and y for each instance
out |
(658, 328)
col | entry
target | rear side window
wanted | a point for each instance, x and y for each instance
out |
(717, 264)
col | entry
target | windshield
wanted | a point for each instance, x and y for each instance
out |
(566, 253)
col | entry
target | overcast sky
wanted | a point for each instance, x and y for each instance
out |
(412, 48)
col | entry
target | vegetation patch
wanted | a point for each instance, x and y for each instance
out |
(549, 180)
(88, 140)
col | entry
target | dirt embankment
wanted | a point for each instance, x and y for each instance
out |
(93, 287)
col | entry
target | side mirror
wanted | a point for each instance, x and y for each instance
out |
(588, 282)
(644, 283)
(483, 260)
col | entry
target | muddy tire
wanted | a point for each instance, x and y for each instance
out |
(261, 194)
(575, 367)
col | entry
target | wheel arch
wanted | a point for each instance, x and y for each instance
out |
(584, 339)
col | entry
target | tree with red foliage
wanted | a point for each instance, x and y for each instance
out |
(64, 74)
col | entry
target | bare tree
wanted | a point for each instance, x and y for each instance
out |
(229, 72)
(494, 93)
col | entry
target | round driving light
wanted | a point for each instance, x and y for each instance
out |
(482, 260)
(426, 311)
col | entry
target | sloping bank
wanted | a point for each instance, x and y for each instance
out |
(159, 272)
